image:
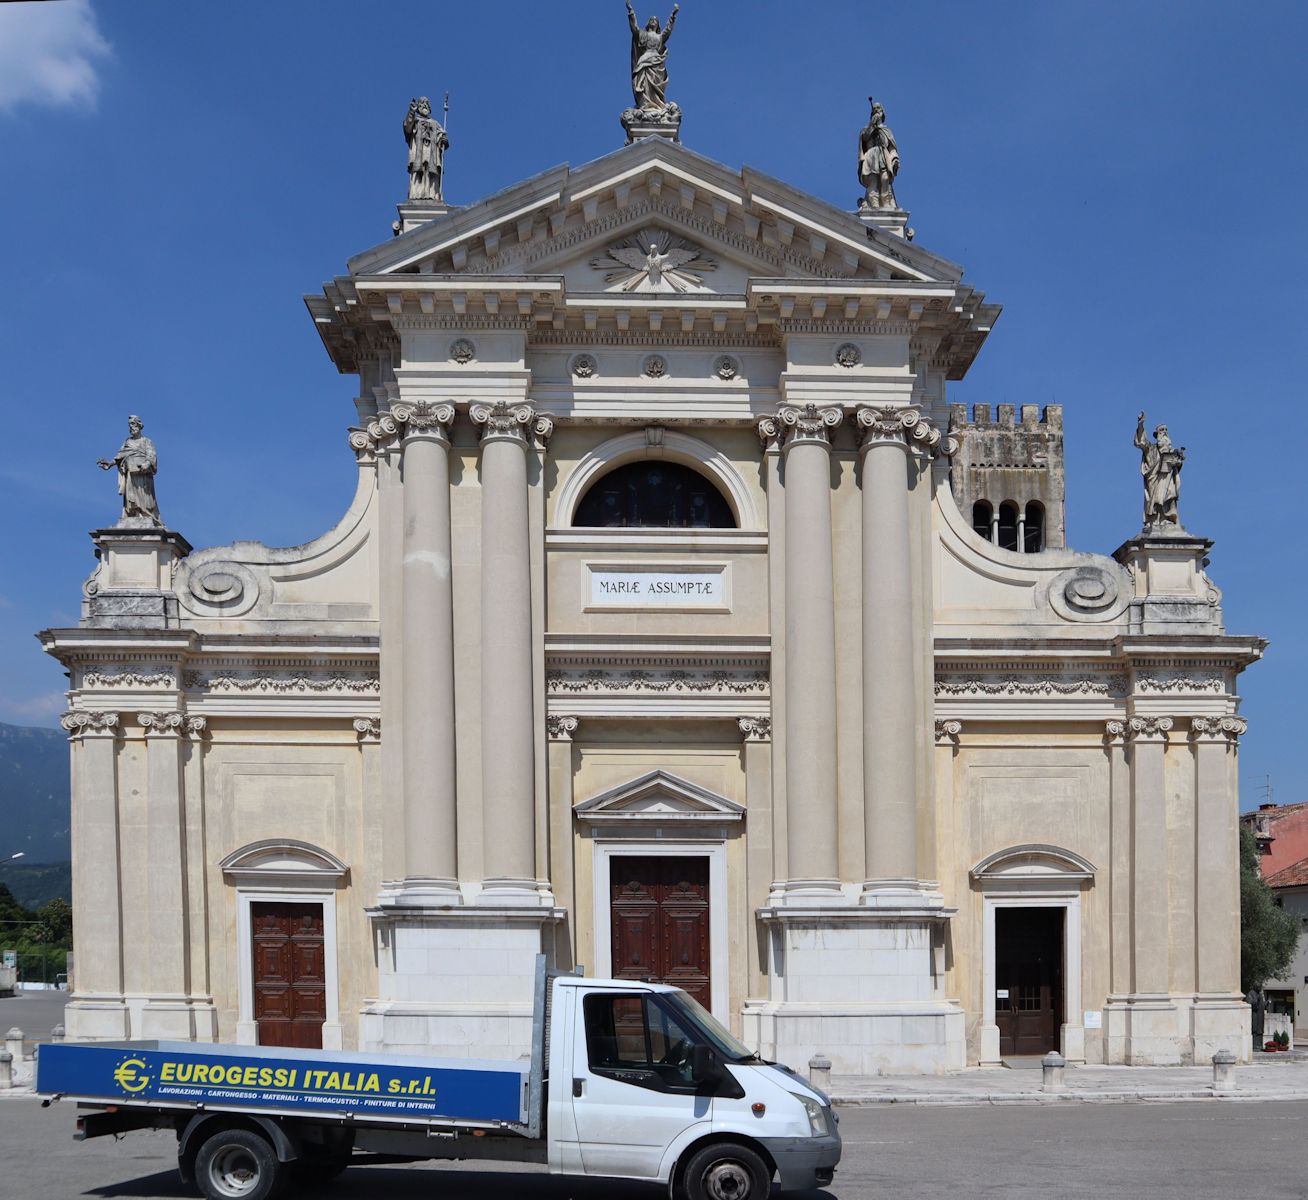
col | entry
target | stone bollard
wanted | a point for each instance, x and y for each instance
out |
(14, 1044)
(1051, 1071)
(1224, 1073)
(6, 1069)
(819, 1072)
(57, 1034)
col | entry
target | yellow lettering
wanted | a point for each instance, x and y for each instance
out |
(295, 1074)
(333, 1083)
(393, 1086)
(167, 1072)
(201, 1073)
(265, 1076)
(250, 1076)
(280, 1077)
(372, 1084)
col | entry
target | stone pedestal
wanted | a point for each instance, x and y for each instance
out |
(863, 989)
(132, 587)
(889, 220)
(1172, 593)
(416, 213)
(642, 123)
(456, 981)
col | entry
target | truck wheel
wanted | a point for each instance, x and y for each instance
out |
(237, 1164)
(727, 1172)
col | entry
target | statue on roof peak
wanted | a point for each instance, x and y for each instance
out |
(649, 61)
(878, 162)
(428, 142)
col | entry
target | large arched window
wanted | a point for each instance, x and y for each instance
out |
(654, 493)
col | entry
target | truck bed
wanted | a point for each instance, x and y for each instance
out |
(319, 1083)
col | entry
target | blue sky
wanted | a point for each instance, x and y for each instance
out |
(1128, 179)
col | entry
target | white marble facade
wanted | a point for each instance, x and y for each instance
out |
(446, 717)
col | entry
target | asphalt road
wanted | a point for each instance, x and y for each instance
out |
(1200, 1151)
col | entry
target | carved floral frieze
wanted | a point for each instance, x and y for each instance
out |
(694, 681)
(1079, 684)
(1163, 682)
(106, 677)
(283, 683)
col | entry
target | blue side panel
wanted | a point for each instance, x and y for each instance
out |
(354, 1084)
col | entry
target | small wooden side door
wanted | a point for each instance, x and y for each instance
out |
(1028, 979)
(290, 978)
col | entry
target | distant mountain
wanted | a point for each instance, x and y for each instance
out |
(34, 796)
(34, 885)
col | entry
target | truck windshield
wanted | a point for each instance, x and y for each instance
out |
(721, 1039)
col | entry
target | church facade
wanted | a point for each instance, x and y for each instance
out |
(681, 627)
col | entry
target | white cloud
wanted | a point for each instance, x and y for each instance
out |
(48, 53)
(35, 710)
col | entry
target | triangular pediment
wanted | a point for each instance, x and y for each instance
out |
(557, 222)
(658, 798)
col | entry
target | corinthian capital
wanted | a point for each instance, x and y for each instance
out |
(804, 423)
(79, 721)
(424, 418)
(511, 421)
(1148, 728)
(175, 723)
(903, 425)
(1217, 729)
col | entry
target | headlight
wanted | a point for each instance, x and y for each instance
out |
(817, 1120)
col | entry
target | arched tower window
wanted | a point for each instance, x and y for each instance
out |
(654, 493)
(1033, 532)
(1008, 526)
(982, 515)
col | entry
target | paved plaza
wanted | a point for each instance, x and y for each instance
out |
(1200, 1152)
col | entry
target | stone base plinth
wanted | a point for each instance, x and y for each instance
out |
(97, 1019)
(860, 986)
(175, 1020)
(456, 982)
(642, 123)
(1220, 1023)
(889, 220)
(1147, 1031)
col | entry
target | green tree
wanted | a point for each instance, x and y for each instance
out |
(1268, 934)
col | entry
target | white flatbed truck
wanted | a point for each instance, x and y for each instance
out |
(626, 1080)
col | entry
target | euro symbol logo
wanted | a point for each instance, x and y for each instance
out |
(127, 1077)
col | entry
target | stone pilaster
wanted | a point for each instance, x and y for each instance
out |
(1219, 1017)
(508, 720)
(427, 625)
(97, 1009)
(890, 700)
(170, 1010)
(810, 651)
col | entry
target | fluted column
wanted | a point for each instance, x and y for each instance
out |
(427, 625)
(810, 654)
(890, 700)
(507, 711)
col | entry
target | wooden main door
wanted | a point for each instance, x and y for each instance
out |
(1028, 979)
(660, 921)
(290, 980)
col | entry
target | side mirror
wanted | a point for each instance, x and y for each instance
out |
(704, 1067)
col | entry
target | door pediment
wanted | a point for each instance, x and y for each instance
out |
(658, 798)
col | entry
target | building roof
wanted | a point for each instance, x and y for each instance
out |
(1295, 875)
(1283, 829)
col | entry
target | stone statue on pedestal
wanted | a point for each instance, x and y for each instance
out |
(1160, 464)
(653, 111)
(649, 60)
(136, 462)
(428, 142)
(878, 162)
